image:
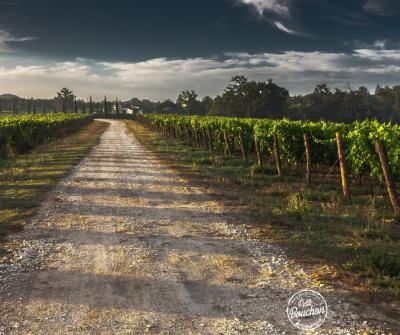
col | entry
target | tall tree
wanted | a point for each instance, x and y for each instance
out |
(117, 107)
(245, 98)
(105, 107)
(186, 97)
(207, 104)
(66, 97)
(165, 107)
(187, 103)
(91, 105)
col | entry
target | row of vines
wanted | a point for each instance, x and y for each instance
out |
(20, 133)
(360, 148)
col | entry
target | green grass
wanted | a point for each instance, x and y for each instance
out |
(25, 179)
(356, 241)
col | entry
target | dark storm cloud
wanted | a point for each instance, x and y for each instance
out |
(156, 48)
(138, 30)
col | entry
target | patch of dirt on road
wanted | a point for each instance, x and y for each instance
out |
(124, 245)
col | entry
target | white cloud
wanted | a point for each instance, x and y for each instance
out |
(380, 44)
(277, 6)
(379, 55)
(162, 78)
(6, 39)
(285, 29)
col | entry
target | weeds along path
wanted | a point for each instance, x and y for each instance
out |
(126, 246)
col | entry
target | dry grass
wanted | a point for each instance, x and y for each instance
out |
(25, 179)
(357, 240)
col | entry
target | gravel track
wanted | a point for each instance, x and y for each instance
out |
(124, 245)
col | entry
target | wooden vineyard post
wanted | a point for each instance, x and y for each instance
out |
(196, 137)
(277, 153)
(343, 169)
(243, 147)
(381, 149)
(191, 137)
(209, 138)
(185, 134)
(176, 133)
(226, 145)
(205, 142)
(258, 152)
(308, 159)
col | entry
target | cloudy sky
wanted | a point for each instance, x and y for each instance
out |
(156, 48)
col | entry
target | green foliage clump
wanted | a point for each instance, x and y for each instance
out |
(20, 133)
(359, 138)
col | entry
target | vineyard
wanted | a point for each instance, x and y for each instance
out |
(20, 133)
(121, 212)
(367, 148)
(200, 167)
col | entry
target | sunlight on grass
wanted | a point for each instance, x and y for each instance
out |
(25, 179)
(359, 239)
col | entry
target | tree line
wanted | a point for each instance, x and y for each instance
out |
(65, 101)
(240, 98)
(258, 99)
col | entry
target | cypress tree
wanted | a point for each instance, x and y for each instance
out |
(117, 107)
(91, 105)
(105, 107)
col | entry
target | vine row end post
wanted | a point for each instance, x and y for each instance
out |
(258, 152)
(308, 159)
(343, 168)
(277, 153)
(381, 150)
(243, 147)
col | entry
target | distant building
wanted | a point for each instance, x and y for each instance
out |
(114, 107)
(127, 111)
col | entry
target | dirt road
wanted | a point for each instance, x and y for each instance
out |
(124, 245)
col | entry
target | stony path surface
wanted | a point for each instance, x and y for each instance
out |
(126, 246)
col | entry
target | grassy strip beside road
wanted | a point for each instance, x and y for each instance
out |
(25, 179)
(356, 241)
